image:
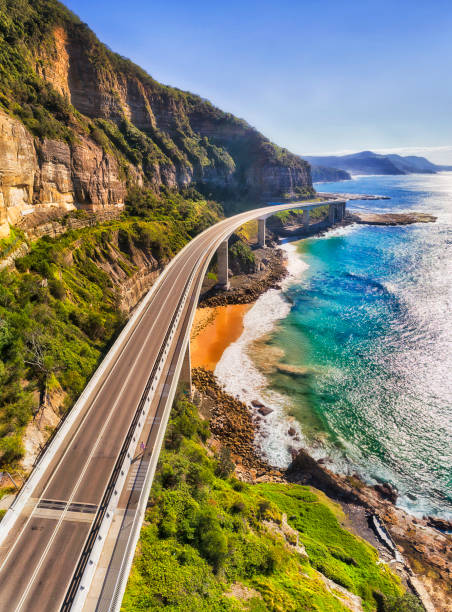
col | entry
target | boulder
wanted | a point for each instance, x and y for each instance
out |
(387, 491)
(438, 523)
(264, 411)
(305, 469)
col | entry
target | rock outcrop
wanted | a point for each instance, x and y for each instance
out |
(17, 164)
(426, 549)
(390, 218)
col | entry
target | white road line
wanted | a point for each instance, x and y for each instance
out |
(95, 447)
(93, 450)
(230, 226)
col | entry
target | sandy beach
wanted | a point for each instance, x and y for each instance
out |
(214, 329)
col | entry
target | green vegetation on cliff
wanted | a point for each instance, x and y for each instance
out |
(23, 27)
(60, 307)
(242, 259)
(64, 84)
(210, 542)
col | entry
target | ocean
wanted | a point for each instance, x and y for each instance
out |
(353, 355)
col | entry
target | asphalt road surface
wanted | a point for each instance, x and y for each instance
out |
(39, 555)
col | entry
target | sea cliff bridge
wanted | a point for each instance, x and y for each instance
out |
(68, 540)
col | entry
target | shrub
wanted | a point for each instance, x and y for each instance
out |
(238, 507)
(263, 509)
(213, 545)
(238, 485)
(168, 477)
(57, 289)
(199, 475)
(225, 466)
(242, 258)
(93, 325)
(11, 449)
(403, 603)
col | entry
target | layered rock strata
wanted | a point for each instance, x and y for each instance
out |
(52, 173)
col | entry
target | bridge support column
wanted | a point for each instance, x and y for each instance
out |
(261, 232)
(331, 213)
(306, 218)
(223, 265)
(185, 373)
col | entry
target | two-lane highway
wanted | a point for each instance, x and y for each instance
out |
(39, 554)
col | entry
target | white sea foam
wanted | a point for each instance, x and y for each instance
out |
(241, 378)
(296, 266)
(341, 231)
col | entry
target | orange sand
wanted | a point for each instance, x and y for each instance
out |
(214, 329)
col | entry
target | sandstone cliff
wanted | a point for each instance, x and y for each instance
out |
(46, 173)
(79, 124)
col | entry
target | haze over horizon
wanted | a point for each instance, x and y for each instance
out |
(365, 77)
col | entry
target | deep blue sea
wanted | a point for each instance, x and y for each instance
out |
(369, 327)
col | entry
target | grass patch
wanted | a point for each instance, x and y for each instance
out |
(204, 531)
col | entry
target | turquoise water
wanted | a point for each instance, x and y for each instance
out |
(370, 325)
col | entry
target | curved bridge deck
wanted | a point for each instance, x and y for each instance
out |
(79, 515)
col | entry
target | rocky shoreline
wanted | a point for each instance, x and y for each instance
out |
(353, 196)
(296, 230)
(416, 548)
(389, 218)
(271, 260)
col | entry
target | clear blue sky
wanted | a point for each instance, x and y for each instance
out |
(315, 76)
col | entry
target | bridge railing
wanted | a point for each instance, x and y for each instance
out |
(77, 592)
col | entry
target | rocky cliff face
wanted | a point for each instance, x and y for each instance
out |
(47, 173)
(79, 124)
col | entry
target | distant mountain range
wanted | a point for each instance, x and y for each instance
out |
(368, 162)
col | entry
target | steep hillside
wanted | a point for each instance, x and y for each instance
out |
(65, 300)
(79, 124)
(211, 542)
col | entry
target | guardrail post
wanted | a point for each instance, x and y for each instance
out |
(223, 264)
(261, 232)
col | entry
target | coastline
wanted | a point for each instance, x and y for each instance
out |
(426, 566)
(416, 549)
(231, 341)
(242, 370)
